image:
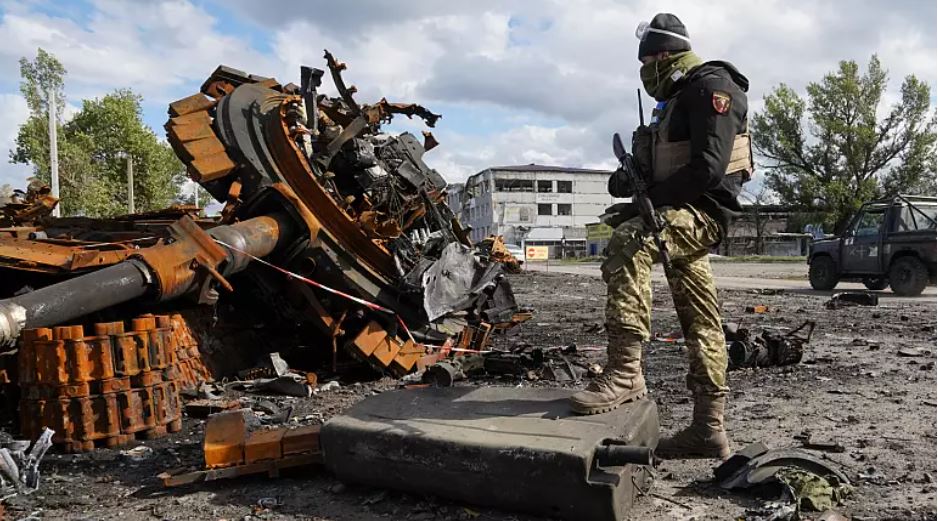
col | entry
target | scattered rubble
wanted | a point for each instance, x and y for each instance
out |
(852, 298)
(788, 476)
(204, 407)
(137, 454)
(557, 365)
(19, 469)
(494, 247)
(808, 442)
(277, 378)
(768, 404)
(26, 208)
(235, 445)
(769, 348)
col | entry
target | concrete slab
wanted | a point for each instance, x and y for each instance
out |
(514, 448)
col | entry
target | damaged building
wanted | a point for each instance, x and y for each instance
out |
(533, 204)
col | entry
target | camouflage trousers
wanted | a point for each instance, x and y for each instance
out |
(627, 271)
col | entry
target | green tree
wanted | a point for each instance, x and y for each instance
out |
(93, 147)
(109, 130)
(831, 152)
(39, 76)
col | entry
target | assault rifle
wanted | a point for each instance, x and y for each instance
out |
(639, 190)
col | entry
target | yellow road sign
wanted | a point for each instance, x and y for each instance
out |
(536, 252)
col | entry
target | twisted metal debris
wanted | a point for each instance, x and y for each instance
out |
(314, 186)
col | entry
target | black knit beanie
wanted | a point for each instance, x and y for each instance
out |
(664, 33)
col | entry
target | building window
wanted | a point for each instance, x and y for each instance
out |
(545, 186)
(565, 187)
(564, 209)
(544, 209)
(514, 185)
(524, 214)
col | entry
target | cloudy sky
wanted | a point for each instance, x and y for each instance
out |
(516, 81)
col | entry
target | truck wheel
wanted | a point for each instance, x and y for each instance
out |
(908, 276)
(823, 273)
(876, 283)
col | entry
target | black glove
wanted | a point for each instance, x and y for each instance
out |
(619, 213)
(619, 185)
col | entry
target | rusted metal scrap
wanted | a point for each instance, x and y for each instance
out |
(73, 245)
(371, 212)
(19, 469)
(234, 447)
(769, 348)
(495, 246)
(352, 215)
(191, 263)
(26, 208)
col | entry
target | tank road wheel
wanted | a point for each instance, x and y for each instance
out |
(908, 276)
(875, 283)
(823, 273)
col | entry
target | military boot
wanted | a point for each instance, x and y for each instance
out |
(621, 381)
(705, 438)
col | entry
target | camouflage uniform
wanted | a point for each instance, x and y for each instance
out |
(627, 271)
(695, 155)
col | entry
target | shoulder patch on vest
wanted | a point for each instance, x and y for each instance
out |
(721, 102)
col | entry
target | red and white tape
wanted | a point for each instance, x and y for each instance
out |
(369, 305)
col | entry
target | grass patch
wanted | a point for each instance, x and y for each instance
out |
(578, 260)
(761, 258)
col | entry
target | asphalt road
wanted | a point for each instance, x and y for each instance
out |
(790, 276)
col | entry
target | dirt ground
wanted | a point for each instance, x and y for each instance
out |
(853, 387)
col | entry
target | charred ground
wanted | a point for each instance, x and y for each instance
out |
(853, 387)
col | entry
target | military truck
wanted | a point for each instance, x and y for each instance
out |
(889, 242)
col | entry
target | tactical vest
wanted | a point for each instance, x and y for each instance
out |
(661, 158)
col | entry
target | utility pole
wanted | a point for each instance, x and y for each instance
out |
(54, 152)
(196, 195)
(130, 184)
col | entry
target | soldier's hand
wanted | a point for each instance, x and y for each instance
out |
(619, 213)
(619, 185)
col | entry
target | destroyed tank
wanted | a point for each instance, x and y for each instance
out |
(350, 222)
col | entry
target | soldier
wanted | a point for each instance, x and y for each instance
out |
(696, 156)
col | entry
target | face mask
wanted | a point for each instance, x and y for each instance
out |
(659, 76)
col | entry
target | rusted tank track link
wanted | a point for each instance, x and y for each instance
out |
(108, 388)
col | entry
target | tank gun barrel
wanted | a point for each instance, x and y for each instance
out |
(193, 261)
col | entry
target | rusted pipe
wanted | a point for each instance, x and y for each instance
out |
(166, 272)
(73, 298)
(258, 236)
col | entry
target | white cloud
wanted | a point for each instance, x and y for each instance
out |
(14, 110)
(564, 72)
(153, 47)
(577, 63)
